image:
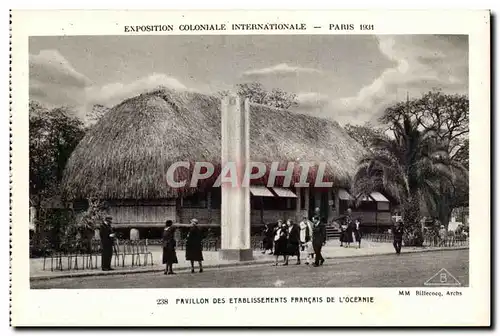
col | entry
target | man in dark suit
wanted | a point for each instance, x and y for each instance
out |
(397, 231)
(107, 242)
(318, 239)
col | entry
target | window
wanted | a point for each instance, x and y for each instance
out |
(275, 203)
(216, 198)
(198, 200)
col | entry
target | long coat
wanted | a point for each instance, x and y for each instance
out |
(194, 244)
(105, 232)
(347, 234)
(293, 246)
(168, 242)
(281, 241)
(268, 237)
(319, 233)
(397, 232)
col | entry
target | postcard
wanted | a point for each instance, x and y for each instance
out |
(250, 168)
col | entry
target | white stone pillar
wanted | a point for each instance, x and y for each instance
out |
(235, 207)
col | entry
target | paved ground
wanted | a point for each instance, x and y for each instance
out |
(405, 270)
(331, 250)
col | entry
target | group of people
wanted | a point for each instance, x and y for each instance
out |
(289, 239)
(194, 247)
(286, 239)
(349, 230)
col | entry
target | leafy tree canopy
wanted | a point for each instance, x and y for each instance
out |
(53, 134)
(256, 93)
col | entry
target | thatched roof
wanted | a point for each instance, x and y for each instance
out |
(127, 153)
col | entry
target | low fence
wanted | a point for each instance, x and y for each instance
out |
(125, 253)
(209, 244)
(138, 253)
(434, 241)
(88, 257)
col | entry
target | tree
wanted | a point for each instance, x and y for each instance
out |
(407, 164)
(256, 93)
(80, 232)
(448, 116)
(53, 135)
(96, 114)
(364, 134)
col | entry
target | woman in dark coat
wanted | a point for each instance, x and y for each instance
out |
(267, 242)
(280, 241)
(293, 246)
(343, 228)
(194, 245)
(169, 255)
(349, 228)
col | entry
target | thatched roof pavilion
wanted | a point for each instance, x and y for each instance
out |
(127, 153)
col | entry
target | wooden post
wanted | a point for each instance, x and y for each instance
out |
(317, 198)
(337, 203)
(329, 214)
(306, 200)
(261, 209)
(209, 206)
(298, 218)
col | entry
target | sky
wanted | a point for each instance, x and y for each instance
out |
(347, 78)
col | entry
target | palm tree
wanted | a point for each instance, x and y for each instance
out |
(408, 164)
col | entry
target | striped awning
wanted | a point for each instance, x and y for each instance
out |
(378, 197)
(282, 192)
(261, 191)
(345, 196)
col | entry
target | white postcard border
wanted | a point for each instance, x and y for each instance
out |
(137, 307)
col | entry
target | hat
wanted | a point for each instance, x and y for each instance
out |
(108, 218)
(194, 221)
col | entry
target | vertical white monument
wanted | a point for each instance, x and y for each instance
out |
(235, 206)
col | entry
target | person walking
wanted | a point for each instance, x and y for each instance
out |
(194, 245)
(343, 229)
(306, 239)
(397, 232)
(267, 241)
(318, 240)
(442, 236)
(293, 243)
(280, 241)
(349, 228)
(168, 242)
(107, 243)
(357, 232)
